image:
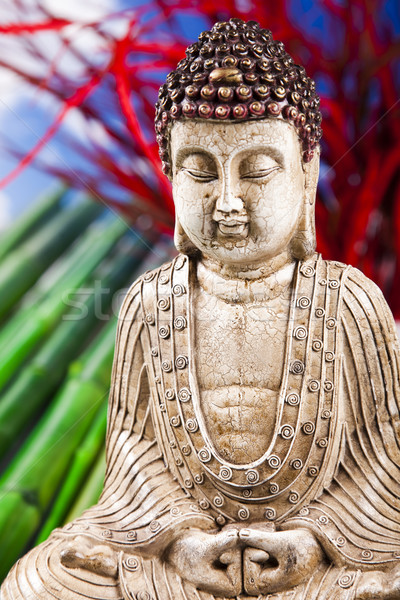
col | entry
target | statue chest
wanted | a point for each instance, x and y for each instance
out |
(239, 344)
(240, 351)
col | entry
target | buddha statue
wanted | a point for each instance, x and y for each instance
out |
(253, 438)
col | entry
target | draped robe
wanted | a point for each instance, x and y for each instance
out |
(332, 466)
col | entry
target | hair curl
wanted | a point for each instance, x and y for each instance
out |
(238, 72)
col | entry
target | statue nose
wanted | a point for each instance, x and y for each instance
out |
(229, 203)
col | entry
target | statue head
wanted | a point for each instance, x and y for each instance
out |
(238, 126)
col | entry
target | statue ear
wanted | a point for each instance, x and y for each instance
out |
(311, 173)
(181, 240)
(304, 241)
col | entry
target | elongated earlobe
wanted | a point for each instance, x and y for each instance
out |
(311, 174)
(304, 241)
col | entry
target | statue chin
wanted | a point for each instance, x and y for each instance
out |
(253, 445)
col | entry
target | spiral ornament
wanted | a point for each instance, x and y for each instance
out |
(131, 563)
(181, 361)
(164, 303)
(178, 289)
(270, 514)
(192, 425)
(180, 323)
(150, 319)
(225, 473)
(308, 428)
(243, 513)
(346, 580)
(297, 367)
(274, 461)
(164, 331)
(293, 399)
(204, 455)
(323, 520)
(304, 302)
(169, 394)
(314, 385)
(184, 395)
(307, 271)
(166, 366)
(300, 333)
(286, 432)
(313, 471)
(296, 464)
(252, 476)
(340, 541)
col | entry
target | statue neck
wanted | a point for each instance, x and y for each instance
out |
(243, 285)
(250, 271)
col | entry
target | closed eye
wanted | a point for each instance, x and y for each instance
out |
(261, 174)
(201, 175)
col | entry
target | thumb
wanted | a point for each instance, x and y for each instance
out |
(257, 538)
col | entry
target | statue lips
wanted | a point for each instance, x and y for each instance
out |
(233, 228)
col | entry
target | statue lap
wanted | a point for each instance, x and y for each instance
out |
(41, 575)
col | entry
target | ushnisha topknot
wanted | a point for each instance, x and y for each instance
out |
(238, 72)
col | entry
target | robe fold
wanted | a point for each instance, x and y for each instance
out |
(332, 465)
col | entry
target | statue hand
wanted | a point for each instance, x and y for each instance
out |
(86, 554)
(211, 561)
(278, 561)
(375, 584)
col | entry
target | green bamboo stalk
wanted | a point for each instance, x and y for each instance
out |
(41, 375)
(67, 272)
(91, 491)
(82, 462)
(30, 221)
(31, 480)
(22, 267)
(88, 451)
(46, 314)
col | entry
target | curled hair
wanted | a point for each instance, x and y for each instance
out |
(238, 72)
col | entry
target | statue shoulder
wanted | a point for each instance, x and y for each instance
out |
(360, 296)
(144, 289)
(364, 303)
(355, 282)
(366, 291)
(364, 283)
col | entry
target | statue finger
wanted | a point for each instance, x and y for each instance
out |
(224, 541)
(256, 538)
(71, 557)
(100, 559)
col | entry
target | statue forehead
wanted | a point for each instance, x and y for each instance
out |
(229, 138)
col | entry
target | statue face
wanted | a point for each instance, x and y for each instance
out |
(239, 188)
